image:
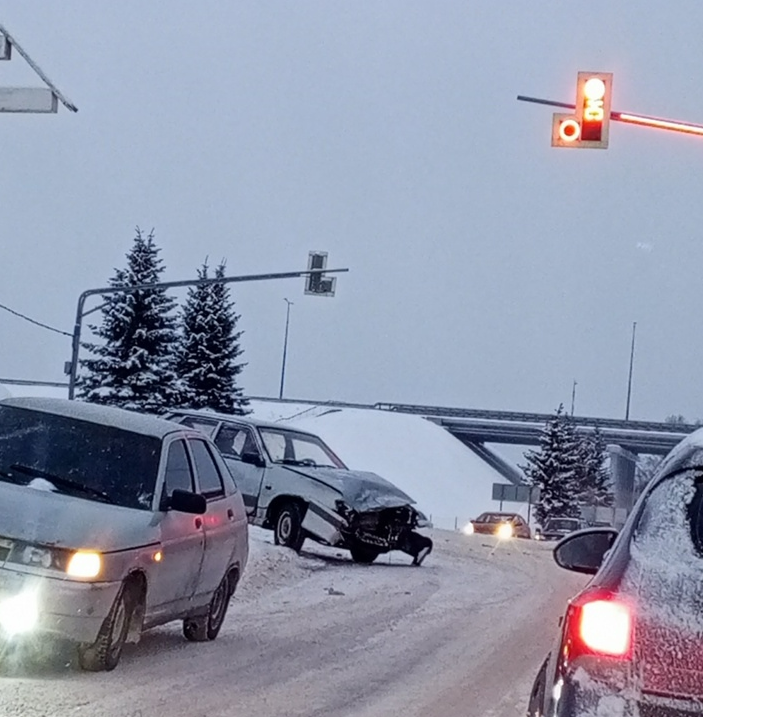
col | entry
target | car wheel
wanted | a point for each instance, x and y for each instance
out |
(288, 527)
(537, 696)
(207, 627)
(104, 653)
(364, 554)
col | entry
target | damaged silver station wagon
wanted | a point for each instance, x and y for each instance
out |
(294, 484)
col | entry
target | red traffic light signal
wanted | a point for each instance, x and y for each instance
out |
(589, 127)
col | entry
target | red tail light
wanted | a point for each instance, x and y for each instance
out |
(598, 623)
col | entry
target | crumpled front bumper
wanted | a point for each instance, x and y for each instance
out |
(38, 603)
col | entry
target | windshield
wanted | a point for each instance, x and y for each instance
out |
(301, 449)
(79, 458)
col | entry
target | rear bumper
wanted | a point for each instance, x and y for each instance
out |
(37, 604)
(585, 695)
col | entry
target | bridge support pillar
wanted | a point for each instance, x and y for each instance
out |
(623, 465)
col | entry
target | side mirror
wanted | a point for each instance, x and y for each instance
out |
(183, 501)
(253, 458)
(584, 551)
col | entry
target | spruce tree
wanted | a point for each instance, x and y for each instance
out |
(209, 348)
(554, 470)
(594, 483)
(134, 367)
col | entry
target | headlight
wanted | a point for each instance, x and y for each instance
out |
(468, 529)
(38, 556)
(84, 564)
(504, 531)
(19, 613)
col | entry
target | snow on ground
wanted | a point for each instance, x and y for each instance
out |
(449, 483)
(316, 635)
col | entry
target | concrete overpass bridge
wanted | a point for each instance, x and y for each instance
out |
(475, 428)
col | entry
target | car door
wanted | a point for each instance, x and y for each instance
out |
(239, 447)
(221, 520)
(176, 572)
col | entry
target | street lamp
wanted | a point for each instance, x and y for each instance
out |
(289, 304)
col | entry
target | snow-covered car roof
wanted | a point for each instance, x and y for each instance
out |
(688, 453)
(205, 413)
(94, 413)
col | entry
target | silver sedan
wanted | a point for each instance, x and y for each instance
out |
(112, 522)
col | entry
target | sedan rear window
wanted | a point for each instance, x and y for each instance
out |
(83, 459)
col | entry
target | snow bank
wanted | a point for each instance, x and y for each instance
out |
(449, 483)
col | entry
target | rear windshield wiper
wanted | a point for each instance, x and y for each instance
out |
(59, 482)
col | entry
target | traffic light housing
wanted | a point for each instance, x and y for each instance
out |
(589, 126)
(318, 283)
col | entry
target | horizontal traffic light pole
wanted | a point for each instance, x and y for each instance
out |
(73, 367)
(630, 117)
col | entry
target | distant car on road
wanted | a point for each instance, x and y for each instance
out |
(112, 522)
(631, 642)
(294, 484)
(503, 525)
(557, 528)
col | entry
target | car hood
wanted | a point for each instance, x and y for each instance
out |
(59, 520)
(361, 490)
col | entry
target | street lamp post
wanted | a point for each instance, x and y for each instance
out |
(72, 366)
(289, 304)
(631, 368)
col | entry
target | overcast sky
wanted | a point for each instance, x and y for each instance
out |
(487, 269)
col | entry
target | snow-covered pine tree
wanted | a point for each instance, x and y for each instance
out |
(594, 482)
(553, 469)
(209, 348)
(134, 367)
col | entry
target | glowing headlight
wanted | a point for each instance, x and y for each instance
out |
(84, 564)
(18, 614)
(504, 531)
(468, 529)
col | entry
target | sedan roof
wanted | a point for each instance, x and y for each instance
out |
(131, 421)
(205, 413)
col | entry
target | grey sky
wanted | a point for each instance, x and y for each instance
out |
(486, 269)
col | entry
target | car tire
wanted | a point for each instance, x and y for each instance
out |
(364, 554)
(208, 626)
(104, 653)
(288, 527)
(537, 696)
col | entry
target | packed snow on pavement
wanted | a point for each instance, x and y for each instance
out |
(317, 635)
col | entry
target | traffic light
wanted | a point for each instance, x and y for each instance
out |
(318, 283)
(589, 127)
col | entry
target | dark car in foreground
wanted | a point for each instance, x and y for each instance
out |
(631, 642)
(502, 525)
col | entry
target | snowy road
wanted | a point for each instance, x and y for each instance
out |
(319, 636)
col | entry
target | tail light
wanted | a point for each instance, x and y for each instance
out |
(600, 624)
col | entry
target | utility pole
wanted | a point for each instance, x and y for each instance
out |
(631, 368)
(289, 304)
(574, 385)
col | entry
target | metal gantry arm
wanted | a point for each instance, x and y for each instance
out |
(80, 313)
(629, 117)
(28, 99)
